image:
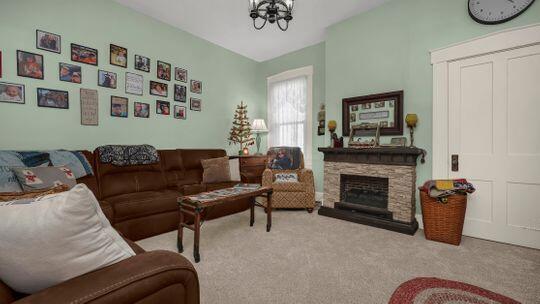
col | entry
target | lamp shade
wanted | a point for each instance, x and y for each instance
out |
(258, 126)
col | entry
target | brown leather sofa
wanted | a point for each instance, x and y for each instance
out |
(140, 201)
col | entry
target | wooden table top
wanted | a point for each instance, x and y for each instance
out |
(192, 199)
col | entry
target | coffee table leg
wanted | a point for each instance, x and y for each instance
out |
(197, 227)
(180, 232)
(252, 212)
(269, 212)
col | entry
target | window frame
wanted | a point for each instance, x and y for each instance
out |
(306, 71)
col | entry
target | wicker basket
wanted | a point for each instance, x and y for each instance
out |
(443, 222)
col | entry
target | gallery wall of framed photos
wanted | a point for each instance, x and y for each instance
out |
(76, 83)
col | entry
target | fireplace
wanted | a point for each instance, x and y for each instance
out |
(374, 187)
(364, 190)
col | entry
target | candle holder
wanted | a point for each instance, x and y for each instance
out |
(411, 120)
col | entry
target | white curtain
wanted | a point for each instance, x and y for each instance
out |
(287, 107)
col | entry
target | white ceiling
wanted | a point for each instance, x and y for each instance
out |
(227, 22)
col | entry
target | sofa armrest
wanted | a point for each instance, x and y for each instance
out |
(267, 178)
(151, 277)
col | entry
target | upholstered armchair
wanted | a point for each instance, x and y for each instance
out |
(290, 194)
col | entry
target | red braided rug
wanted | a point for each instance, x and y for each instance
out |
(438, 291)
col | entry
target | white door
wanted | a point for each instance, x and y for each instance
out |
(494, 129)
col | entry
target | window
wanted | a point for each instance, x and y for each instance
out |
(289, 110)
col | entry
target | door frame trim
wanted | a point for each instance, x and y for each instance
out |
(440, 58)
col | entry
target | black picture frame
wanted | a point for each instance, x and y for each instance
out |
(103, 84)
(165, 76)
(126, 100)
(180, 74)
(178, 96)
(76, 58)
(180, 117)
(367, 100)
(40, 47)
(20, 64)
(23, 92)
(154, 83)
(159, 111)
(141, 67)
(195, 104)
(40, 102)
(114, 47)
(70, 66)
(195, 86)
(135, 114)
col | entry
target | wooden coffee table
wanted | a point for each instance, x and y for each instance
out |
(194, 205)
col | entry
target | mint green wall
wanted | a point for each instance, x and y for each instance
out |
(314, 56)
(227, 78)
(387, 49)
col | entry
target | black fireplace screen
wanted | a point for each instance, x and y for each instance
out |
(364, 190)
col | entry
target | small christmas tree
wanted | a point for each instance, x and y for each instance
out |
(241, 130)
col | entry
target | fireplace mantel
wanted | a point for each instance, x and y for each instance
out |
(400, 156)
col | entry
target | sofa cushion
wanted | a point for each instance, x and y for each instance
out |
(139, 204)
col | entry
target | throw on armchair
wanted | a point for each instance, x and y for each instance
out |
(293, 185)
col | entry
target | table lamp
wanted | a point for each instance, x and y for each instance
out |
(258, 127)
(411, 120)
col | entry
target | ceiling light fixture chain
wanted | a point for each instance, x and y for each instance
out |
(273, 11)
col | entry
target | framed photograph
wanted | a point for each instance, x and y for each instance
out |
(179, 112)
(119, 106)
(50, 98)
(70, 72)
(180, 74)
(163, 70)
(134, 83)
(142, 110)
(12, 93)
(48, 41)
(29, 65)
(142, 63)
(163, 107)
(196, 87)
(195, 104)
(385, 109)
(84, 54)
(180, 92)
(118, 56)
(159, 89)
(89, 107)
(107, 79)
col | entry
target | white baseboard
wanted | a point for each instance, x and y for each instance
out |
(319, 197)
(420, 221)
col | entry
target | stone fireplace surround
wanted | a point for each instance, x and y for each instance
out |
(398, 165)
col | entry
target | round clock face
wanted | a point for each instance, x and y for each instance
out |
(497, 11)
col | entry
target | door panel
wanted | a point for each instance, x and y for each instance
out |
(494, 127)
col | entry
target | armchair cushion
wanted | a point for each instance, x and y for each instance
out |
(290, 187)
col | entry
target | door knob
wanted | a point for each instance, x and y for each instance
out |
(455, 162)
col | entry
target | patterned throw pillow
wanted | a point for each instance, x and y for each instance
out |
(286, 178)
(216, 170)
(44, 177)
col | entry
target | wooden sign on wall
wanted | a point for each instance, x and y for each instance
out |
(89, 107)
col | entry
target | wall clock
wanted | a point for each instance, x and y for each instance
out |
(497, 11)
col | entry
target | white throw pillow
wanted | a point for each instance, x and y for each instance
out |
(234, 165)
(54, 238)
(286, 178)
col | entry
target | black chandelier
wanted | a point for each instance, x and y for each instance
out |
(273, 11)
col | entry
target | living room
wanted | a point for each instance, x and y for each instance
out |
(355, 151)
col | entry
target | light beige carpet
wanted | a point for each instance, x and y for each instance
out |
(307, 258)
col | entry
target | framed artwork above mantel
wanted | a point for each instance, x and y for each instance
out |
(366, 112)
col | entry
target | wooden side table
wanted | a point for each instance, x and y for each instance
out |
(251, 167)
